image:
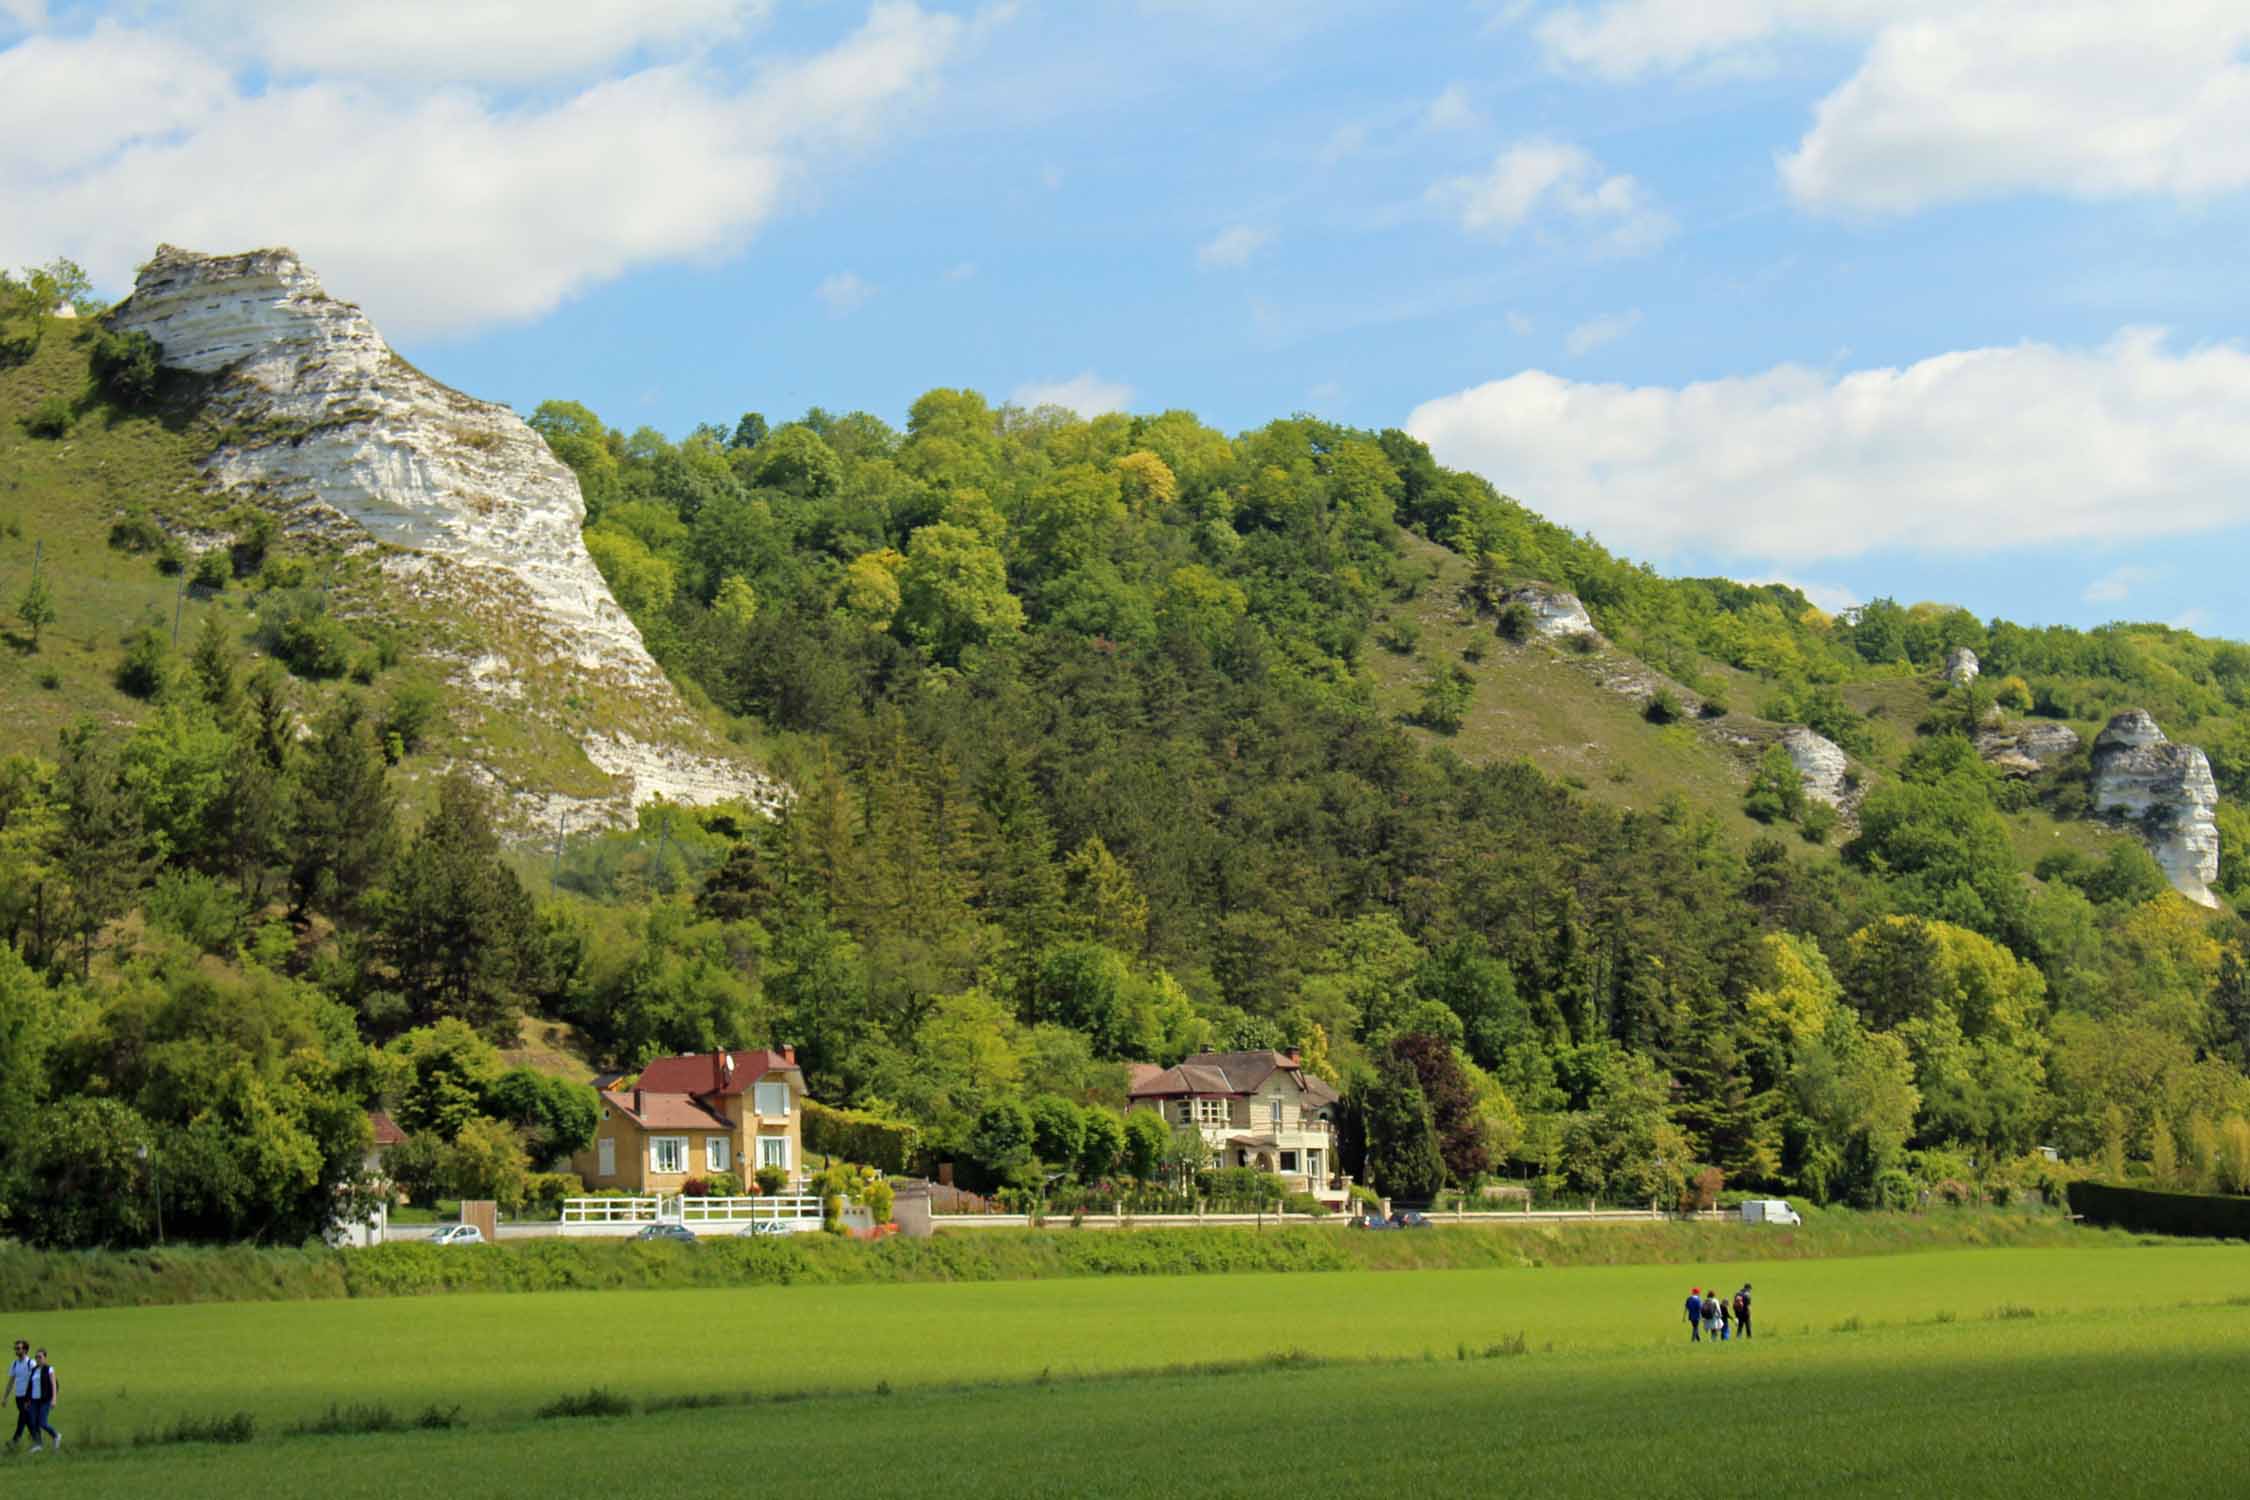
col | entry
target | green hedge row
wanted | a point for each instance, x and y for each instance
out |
(33, 1279)
(2147, 1211)
(886, 1145)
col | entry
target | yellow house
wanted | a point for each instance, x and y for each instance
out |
(696, 1116)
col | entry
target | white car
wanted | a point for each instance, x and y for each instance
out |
(1768, 1211)
(458, 1234)
(760, 1228)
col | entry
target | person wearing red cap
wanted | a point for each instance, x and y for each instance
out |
(1695, 1315)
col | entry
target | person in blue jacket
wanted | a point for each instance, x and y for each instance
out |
(1695, 1314)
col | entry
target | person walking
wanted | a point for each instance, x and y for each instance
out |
(1726, 1320)
(19, 1386)
(1695, 1315)
(45, 1392)
(1711, 1316)
(1742, 1309)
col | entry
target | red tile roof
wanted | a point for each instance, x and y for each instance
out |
(665, 1111)
(706, 1072)
(387, 1132)
(1235, 1074)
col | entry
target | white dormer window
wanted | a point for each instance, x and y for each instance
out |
(1211, 1111)
(772, 1101)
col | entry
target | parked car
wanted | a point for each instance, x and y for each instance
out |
(667, 1232)
(1369, 1221)
(1409, 1218)
(458, 1234)
(1768, 1211)
(760, 1228)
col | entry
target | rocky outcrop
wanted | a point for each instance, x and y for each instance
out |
(1962, 666)
(2028, 749)
(1556, 612)
(2167, 790)
(1820, 764)
(469, 514)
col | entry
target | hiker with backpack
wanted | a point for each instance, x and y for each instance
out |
(1695, 1315)
(1726, 1319)
(1742, 1309)
(1711, 1316)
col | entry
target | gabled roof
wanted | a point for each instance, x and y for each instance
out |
(387, 1132)
(666, 1111)
(707, 1073)
(1235, 1074)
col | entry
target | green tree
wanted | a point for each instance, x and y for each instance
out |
(1147, 1138)
(1101, 1147)
(343, 829)
(1001, 1145)
(1058, 1131)
(452, 917)
(37, 606)
(1777, 790)
(1403, 1158)
(953, 592)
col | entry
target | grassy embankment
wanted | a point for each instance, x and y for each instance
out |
(82, 1279)
(1970, 1372)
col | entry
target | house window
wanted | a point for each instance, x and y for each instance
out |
(716, 1156)
(605, 1157)
(1211, 1111)
(1187, 1111)
(1312, 1165)
(667, 1153)
(1288, 1161)
(1273, 1112)
(773, 1151)
(773, 1100)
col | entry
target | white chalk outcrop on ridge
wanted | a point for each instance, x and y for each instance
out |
(475, 514)
(2169, 790)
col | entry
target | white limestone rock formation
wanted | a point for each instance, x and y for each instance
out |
(469, 513)
(2028, 749)
(1557, 612)
(2168, 791)
(1820, 764)
(1962, 666)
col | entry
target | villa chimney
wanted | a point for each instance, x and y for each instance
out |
(1296, 1057)
(636, 1099)
(789, 1055)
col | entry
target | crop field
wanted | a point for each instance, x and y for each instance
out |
(2004, 1371)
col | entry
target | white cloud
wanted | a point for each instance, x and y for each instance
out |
(481, 40)
(1451, 110)
(2117, 584)
(2094, 100)
(1977, 450)
(1232, 248)
(843, 293)
(1548, 183)
(1961, 99)
(1607, 329)
(1627, 39)
(1085, 393)
(435, 206)
(28, 14)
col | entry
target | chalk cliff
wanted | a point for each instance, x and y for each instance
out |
(2168, 790)
(474, 522)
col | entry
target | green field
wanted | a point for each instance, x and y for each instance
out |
(2010, 1368)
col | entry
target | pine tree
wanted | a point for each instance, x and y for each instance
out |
(453, 917)
(343, 826)
(37, 607)
(99, 841)
(1403, 1159)
(212, 666)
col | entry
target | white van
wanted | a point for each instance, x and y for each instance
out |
(1768, 1211)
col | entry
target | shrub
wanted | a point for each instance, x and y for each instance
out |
(771, 1180)
(1714, 707)
(1662, 708)
(298, 629)
(1515, 622)
(236, 1427)
(2211, 1215)
(1400, 636)
(147, 663)
(135, 531)
(415, 707)
(126, 366)
(888, 1145)
(1816, 822)
(205, 911)
(50, 418)
(601, 1401)
(213, 570)
(1583, 643)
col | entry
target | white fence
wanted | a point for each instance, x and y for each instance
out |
(672, 1208)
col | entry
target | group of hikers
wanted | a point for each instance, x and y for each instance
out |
(32, 1380)
(1712, 1313)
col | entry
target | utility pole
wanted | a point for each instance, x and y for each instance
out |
(179, 607)
(562, 826)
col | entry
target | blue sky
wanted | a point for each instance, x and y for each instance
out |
(1932, 300)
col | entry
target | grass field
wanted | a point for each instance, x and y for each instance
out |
(1403, 1372)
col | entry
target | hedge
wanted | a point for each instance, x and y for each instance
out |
(886, 1145)
(33, 1279)
(2210, 1215)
